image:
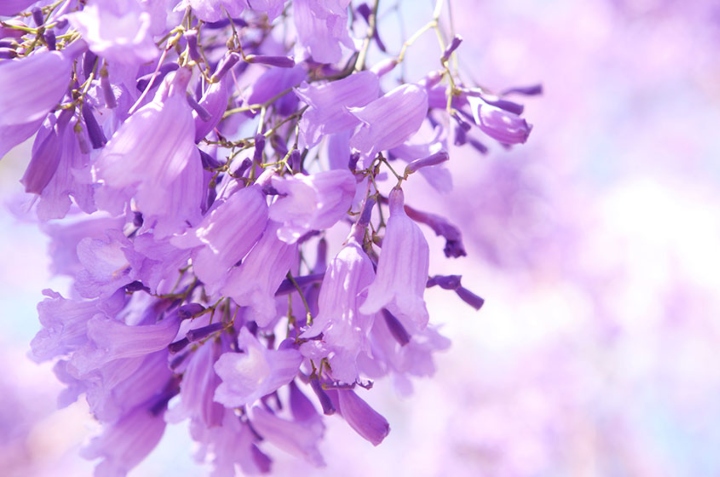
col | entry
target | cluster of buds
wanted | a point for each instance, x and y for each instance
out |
(234, 222)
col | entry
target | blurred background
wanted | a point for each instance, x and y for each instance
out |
(595, 246)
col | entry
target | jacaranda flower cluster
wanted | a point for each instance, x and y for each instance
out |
(230, 174)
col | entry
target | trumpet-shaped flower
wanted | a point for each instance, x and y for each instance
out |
(402, 270)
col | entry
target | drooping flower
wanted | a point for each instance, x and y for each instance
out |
(226, 235)
(38, 83)
(322, 28)
(498, 123)
(311, 202)
(344, 328)
(255, 281)
(365, 420)
(254, 372)
(117, 31)
(330, 102)
(153, 150)
(402, 270)
(390, 120)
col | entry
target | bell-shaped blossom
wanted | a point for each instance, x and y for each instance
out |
(365, 420)
(154, 150)
(414, 358)
(46, 153)
(390, 120)
(105, 265)
(33, 86)
(111, 339)
(64, 324)
(322, 28)
(125, 443)
(232, 444)
(155, 262)
(500, 124)
(214, 101)
(64, 239)
(295, 438)
(226, 235)
(117, 31)
(198, 388)
(344, 328)
(311, 202)
(113, 395)
(70, 179)
(328, 103)
(254, 372)
(255, 281)
(402, 270)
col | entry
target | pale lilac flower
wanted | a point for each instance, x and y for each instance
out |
(330, 102)
(322, 28)
(232, 444)
(254, 372)
(296, 438)
(362, 418)
(153, 150)
(110, 339)
(198, 388)
(105, 265)
(344, 329)
(414, 358)
(311, 202)
(390, 120)
(125, 443)
(222, 239)
(46, 153)
(117, 31)
(255, 281)
(38, 83)
(402, 270)
(500, 124)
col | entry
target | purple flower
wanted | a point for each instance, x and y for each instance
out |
(154, 150)
(198, 388)
(415, 358)
(296, 438)
(254, 372)
(330, 102)
(313, 202)
(499, 124)
(125, 443)
(110, 339)
(322, 28)
(343, 327)
(402, 270)
(390, 120)
(117, 31)
(362, 418)
(226, 235)
(33, 86)
(255, 281)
